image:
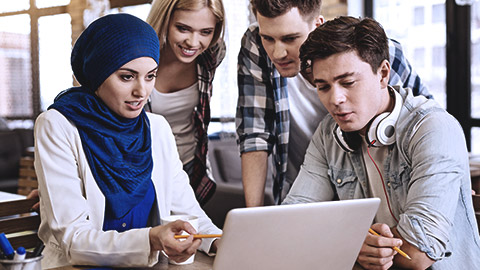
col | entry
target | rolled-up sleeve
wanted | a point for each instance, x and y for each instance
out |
(255, 114)
(439, 162)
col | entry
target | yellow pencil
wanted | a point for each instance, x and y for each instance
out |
(395, 248)
(196, 236)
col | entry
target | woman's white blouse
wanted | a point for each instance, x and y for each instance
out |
(72, 205)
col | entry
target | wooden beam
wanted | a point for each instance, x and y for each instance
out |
(125, 3)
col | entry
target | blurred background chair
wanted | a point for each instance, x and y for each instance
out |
(19, 223)
(226, 168)
(27, 178)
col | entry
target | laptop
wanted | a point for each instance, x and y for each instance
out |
(322, 235)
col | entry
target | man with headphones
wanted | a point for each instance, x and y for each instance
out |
(278, 109)
(381, 141)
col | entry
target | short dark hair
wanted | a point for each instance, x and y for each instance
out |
(275, 8)
(344, 34)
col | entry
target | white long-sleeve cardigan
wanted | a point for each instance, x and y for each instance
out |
(72, 206)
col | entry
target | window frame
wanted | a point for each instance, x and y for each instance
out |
(458, 64)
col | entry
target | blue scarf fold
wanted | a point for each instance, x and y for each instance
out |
(117, 149)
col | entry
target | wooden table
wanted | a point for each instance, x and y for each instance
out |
(202, 262)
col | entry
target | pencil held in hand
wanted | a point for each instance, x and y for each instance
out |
(395, 248)
(196, 236)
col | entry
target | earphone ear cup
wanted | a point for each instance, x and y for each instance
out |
(375, 128)
(382, 128)
(386, 131)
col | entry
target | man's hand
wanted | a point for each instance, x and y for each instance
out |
(376, 251)
(162, 238)
(34, 195)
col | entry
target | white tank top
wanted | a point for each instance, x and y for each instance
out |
(177, 108)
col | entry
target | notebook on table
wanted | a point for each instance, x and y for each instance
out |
(324, 235)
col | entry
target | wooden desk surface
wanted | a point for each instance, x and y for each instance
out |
(202, 262)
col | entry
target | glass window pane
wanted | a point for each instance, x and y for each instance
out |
(438, 13)
(225, 91)
(15, 67)
(418, 16)
(51, 3)
(423, 41)
(17, 5)
(438, 57)
(419, 57)
(475, 9)
(475, 141)
(55, 46)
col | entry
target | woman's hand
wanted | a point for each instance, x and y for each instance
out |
(162, 238)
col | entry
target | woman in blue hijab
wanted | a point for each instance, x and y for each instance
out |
(103, 185)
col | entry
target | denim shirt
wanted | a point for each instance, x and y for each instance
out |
(427, 178)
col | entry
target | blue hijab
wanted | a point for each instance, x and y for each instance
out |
(118, 149)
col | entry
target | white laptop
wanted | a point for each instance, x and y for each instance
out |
(325, 235)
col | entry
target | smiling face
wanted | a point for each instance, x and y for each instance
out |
(190, 32)
(282, 37)
(352, 93)
(126, 91)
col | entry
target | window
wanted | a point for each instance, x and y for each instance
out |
(438, 57)
(428, 29)
(418, 16)
(419, 57)
(54, 37)
(438, 13)
(475, 71)
(17, 5)
(225, 91)
(51, 3)
(34, 38)
(15, 66)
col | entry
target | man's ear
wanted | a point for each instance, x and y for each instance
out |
(319, 20)
(384, 72)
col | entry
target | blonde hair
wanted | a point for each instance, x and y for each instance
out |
(162, 10)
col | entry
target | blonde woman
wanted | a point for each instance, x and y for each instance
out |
(191, 48)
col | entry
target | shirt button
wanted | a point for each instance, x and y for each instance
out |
(339, 180)
(388, 184)
(124, 225)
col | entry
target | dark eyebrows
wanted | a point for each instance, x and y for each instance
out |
(291, 35)
(336, 78)
(282, 37)
(134, 71)
(129, 70)
(182, 25)
(153, 69)
(189, 27)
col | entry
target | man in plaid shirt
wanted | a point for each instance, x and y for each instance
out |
(278, 109)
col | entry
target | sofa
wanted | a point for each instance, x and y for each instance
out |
(13, 145)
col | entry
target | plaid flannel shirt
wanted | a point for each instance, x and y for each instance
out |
(262, 117)
(201, 180)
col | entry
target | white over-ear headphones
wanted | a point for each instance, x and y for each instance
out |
(381, 129)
